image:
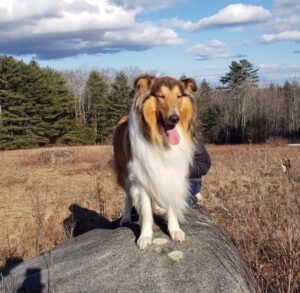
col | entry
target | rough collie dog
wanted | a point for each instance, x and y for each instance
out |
(153, 148)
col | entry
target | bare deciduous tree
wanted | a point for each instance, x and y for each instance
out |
(76, 82)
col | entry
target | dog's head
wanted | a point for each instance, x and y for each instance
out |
(163, 103)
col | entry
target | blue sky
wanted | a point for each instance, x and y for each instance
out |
(172, 37)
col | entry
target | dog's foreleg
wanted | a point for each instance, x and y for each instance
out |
(126, 218)
(173, 226)
(146, 215)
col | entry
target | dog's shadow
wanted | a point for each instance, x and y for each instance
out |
(83, 220)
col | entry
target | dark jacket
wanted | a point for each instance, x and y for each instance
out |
(201, 163)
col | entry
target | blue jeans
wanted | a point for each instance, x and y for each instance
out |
(194, 188)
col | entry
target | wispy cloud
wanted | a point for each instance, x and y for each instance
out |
(237, 29)
(288, 4)
(268, 66)
(60, 28)
(285, 22)
(231, 15)
(282, 36)
(279, 72)
(214, 49)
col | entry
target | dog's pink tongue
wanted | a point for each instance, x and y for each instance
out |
(173, 136)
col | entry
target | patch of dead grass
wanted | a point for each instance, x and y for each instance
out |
(35, 197)
(259, 207)
(246, 192)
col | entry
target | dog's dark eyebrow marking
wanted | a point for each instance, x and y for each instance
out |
(168, 82)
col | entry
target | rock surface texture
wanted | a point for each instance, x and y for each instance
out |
(108, 260)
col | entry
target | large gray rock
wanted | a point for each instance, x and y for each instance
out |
(108, 260)
(54, 156)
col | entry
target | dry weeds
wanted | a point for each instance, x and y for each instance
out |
(36, 198)
(44, 203)
(259, 206)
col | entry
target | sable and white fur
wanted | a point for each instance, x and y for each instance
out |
(156, 173)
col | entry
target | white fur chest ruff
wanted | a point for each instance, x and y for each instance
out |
(161, 173)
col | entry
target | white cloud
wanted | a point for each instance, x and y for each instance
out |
(145, 5)
(216, 43)
(285, 22)
(231, 15)
(214, 49)
(176, 22)
(268, 66)
(282, 36)
(146, 35)
(286, 15)
(59, 28)
(279, 73)
(290, 4)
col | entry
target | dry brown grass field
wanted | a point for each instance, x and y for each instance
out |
(43, 203)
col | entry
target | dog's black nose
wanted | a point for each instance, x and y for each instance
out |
(174, 118)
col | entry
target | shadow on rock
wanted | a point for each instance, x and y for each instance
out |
(32, 279)
(83, 220)
(32, 282)
(10, 264)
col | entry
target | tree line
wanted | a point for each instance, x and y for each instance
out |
(241, 112)
(42, 106)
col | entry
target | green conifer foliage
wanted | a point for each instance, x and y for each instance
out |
(49, 104)
(14, 133)
(240, 73)
(36, 107)
(209, 114)
(119, 101)
(96, 96)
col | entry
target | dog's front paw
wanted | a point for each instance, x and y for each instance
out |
(125, 220)
(178, 235)
(143, 242)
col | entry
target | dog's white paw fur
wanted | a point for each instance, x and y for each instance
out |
(159, 210)
(143, 242)
(178, 235)
(125, 220)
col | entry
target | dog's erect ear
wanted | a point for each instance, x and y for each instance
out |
(143, 82)
(189, 85)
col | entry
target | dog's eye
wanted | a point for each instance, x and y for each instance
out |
(161, 96)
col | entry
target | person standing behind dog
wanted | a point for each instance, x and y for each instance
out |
(201, 165)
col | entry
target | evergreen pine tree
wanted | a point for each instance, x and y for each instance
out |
(14, 133)
(212, 123)
(96, 96)
(201, 105)
(240, 73)
(209, 114)
(119, 100)
(49, 104)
